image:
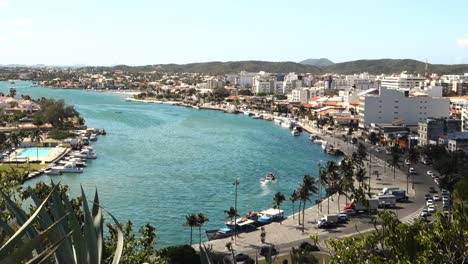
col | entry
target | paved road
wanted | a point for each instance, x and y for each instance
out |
(288, 234)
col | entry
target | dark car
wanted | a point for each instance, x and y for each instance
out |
(432, 190)
(427, 196)
(266, 250)
(325, 224)
(242, 257)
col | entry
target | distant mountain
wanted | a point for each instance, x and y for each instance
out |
(322, 62)
(386, 66)
(217, 67)
(389, 66)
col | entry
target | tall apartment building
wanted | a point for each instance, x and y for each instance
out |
(404, 81)
(432, 128)
(301, 95)
(391, 104)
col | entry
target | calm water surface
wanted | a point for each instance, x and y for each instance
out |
(161, 162)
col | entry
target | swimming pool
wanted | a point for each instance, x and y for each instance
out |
(33, 152)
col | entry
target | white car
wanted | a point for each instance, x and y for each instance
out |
(430, 173)
(429, 202)
(431, 209)
(436, 197)
(407, 162)
(412, 171)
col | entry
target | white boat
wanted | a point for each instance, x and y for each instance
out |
(258, 116)
(295, 132)
(324, 145)
(319, 141)
(312, 137)
(248, 113)
(84, 154)
(52, 172)
(287, 124)
(93, 137)
(79, 162)
(69, 167)
(268, 178)
(277, 121)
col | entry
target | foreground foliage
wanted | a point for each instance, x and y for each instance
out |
(442, 241)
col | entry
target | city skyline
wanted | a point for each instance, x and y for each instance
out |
(160, 32)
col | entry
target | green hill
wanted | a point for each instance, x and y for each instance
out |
(386, 66)
(389, 66)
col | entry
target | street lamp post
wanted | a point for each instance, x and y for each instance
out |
(235, 183)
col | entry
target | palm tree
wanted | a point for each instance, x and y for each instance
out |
(307, 188)
(201, 220)
(191, 221)
(360, 177)
(336, 181)
(347, 170)
(231, 213)
(293, 198)
(14, 139)
(323, 181)
(36, 137)
(277, 200)
(394, 162)
(332, 171)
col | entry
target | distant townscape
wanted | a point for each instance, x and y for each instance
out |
(368, 115)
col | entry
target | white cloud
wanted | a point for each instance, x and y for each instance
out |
(23, 34)
(22, 21)
(3, 3)
(463, 42)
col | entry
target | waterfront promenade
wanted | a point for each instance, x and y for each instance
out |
(289, 233)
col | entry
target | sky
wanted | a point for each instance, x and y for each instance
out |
(140, 32)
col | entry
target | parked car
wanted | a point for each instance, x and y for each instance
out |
(412, 171)
(436, 197)
(424, 213)
(427, 196)
(431, 209)
(407, 162)
(430, 173)
(265, 250)
(241, 257)
(342, 218)
(348, 211)
(432, 190)
(429, 202)
(325, 224)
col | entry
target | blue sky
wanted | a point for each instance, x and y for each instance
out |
(139, 32)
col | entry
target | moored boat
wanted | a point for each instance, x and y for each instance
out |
(69, 167)
(219, 233)
(268, 178)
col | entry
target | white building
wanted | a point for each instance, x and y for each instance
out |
(246, 79)
(404, 81)
(391, 104)
(299, 95)
(291, 81)
(261, 85)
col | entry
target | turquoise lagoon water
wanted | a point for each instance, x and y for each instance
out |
(159, 162)
(30, 152)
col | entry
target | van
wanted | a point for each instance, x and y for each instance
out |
(387, 200)
(387, 190)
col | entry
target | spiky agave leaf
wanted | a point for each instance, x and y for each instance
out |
(205, 257)
(22, 251)
(25, 227)
(89, 232)
(98, 223)
(120, 238)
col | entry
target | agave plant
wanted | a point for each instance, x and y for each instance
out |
(53, 231)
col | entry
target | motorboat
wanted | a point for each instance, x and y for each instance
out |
(69, 167)
(248, 113)
(242, 224)
(295, 132)
(86, 153)
(287, 124)
(52, 172)
(269, 178)
(258, 116)
(313, 137)
(219, 233)
(319, 141)
(277, 121)
(79, 162)
(93, 137)
(325, 145)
